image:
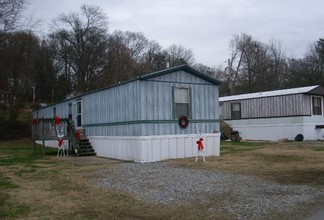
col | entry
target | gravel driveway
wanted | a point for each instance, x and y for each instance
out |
(245, 197)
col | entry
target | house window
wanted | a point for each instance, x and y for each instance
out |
(181, 102)
(317, 105)
(235, 110)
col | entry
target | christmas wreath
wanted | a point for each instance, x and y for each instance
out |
(183, 121)
(35, 121)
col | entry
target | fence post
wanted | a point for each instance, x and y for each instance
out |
(43, 136)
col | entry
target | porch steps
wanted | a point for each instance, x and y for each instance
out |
(85, 148)
(226, 129)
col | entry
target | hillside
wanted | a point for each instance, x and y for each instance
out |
(15, 124)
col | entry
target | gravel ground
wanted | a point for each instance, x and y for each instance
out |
(245, 197)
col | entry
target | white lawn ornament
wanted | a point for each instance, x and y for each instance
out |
(200, 150)
(61, 143)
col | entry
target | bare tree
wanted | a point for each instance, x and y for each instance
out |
(278, 64)
(153, 58)
(177, 55)
(255, 66)
(125, 55)
(81, 43)
(10, 11)
(319, 48)
(238, 47)
(215, 72)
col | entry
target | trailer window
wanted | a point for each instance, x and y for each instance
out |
(182, 102)
(235, 111)
(317, 105)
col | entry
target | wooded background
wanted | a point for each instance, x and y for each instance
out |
(80, 54)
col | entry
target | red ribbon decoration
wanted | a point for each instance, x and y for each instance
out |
(35, 121)
(78, 135)
(57, 120)
(60, 143)
(200, 144)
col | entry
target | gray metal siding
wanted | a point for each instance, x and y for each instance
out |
(144, 107)
(116, 104)
(205, 103)
(181, 77)
(155, 100)
(62, 109)
(267, 107)
(157, 104)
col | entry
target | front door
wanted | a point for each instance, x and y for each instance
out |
(79, 114)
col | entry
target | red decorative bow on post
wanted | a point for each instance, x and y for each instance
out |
(57, 120)
(200, 144)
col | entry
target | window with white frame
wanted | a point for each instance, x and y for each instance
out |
(181, 102)
(236, 110)
(317, 105)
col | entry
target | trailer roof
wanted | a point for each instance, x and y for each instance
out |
(184, 67)
(316, 90)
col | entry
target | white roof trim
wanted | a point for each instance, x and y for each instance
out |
(268, 94)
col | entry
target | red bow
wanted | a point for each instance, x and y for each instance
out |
(35, 121)
(78, 134)
(57, 120)
(200, 144)
(60, 143)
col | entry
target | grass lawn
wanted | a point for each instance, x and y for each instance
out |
(33, 186)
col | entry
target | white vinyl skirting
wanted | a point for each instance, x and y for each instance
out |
(150, 148)
(274, 129)
(154, 148)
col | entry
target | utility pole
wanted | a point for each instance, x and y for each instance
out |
(34, 92)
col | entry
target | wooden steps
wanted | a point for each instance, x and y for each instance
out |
(226, 129)
(85, 148)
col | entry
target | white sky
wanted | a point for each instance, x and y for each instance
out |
(205, 26)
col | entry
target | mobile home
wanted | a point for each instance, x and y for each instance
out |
(138, 120)
(275, 115)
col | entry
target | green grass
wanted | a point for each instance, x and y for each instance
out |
(10, 210)
(5, 183)
(245, 143)
(239, 147)
(19, 153)
(319, 149)
(15, 154)
(282, 158)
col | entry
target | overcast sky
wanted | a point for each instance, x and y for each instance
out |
(205, 26)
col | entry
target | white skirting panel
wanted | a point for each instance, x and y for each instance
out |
(154, 148)
(279, 128)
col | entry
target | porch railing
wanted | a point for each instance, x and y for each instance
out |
(44, 129)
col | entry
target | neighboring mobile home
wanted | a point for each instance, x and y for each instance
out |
(138, 119)
(275, 115)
